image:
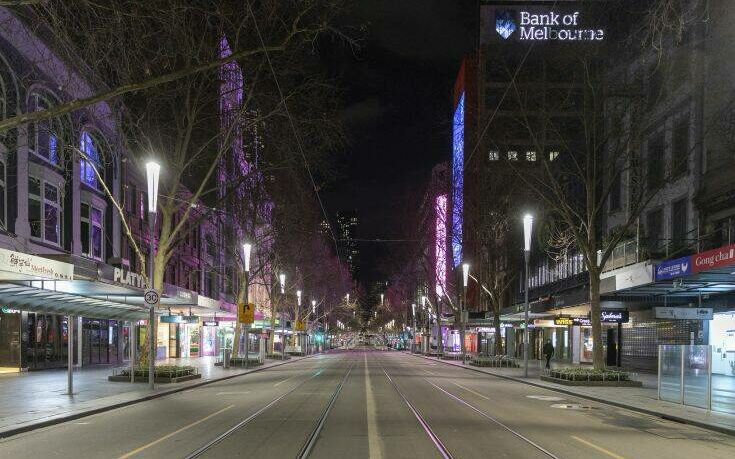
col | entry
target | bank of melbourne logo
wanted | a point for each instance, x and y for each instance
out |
(505, 23)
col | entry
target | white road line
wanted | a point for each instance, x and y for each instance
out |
(287, 379)
(470, 390)
(374, 446)
(233, 393)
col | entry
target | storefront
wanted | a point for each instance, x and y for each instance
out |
(722, 338)
(38, 297)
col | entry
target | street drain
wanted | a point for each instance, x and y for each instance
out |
(546, 398)
(572, 406)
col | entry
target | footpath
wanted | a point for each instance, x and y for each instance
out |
(30, 400)
(640, 399)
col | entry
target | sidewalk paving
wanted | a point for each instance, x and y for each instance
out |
(30, 400)
(641, 399)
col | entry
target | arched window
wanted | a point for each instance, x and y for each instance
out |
(91, 159)
(44, 137)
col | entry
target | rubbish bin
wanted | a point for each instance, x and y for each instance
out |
(226, 356)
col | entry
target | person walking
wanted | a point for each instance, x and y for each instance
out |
(548, 352)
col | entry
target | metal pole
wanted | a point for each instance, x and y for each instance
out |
(133, 348)
(527, 255)
(439, 337)
(462, 310)
(70, 354)
(247, 326)
(283, 331)
(152, 311)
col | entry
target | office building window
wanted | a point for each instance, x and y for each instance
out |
(655, 162)
(493, 155)
(679, 222)
(654, 229)
(43, 136)
(530, 156)
(512, 155)
(91, 160)
(553, 154)
(615, 196)
(3, 195)
(680, 149)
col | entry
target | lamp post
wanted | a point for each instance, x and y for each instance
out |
(427, 333)
(527, 228)
(297, 334)
(246, 250)
(282, 279)
(413, 328)
(153, 171)
(313, 313)
(463, 309)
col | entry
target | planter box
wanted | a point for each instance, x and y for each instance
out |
(608, 383)
(158, 379)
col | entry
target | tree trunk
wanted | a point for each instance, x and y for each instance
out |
(598, 358)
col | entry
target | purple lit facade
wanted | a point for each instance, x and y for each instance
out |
(440, 249)
(458, 180)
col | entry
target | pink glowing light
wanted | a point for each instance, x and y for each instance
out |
(441, 245)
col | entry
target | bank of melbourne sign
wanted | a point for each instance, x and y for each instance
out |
(544, 26)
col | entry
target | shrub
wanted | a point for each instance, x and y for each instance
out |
(589, 374)
(163, 371)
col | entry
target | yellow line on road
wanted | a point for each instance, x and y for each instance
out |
(598, 448)
(167, 436)
(471, 391)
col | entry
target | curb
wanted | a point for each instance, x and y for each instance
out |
(657, 414)
(114, 406)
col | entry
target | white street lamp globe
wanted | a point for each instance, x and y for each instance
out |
(246, 249)
(527, 228)
(298, 297)
(465, 273)
(153, 170)
(282, 279)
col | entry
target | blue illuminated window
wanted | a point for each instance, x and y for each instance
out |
(90, 150)
(457, 180)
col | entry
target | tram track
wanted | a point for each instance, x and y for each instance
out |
(311, 439)
(436, 440)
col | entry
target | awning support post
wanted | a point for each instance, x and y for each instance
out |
(70, 354)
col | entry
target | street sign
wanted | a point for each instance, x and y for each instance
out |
(246, 313)
(300, 326)
(614, 316)
(671, 269)
(211, 323)
(176, 319)
(151, 297)
(684, 313)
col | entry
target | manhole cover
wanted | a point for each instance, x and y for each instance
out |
(547, 398)
(571, 406)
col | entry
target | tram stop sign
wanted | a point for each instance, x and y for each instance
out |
(151, 297)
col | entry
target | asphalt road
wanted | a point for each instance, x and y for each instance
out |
(368, 404)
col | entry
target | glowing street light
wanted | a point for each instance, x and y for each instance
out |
(247, 249)
(153, 172)
(527, 230)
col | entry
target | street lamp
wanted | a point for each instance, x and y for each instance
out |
(246, 250)
(296, 318)
(463, 308)
(282, 279)
(413, 328)
(527, 229)
(153, 171)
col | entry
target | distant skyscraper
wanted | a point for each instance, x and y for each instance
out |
(347, 227)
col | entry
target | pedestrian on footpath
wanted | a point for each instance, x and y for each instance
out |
(548, 352)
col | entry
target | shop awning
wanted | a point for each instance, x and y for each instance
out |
(40, 299)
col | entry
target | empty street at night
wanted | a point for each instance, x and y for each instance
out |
(369, 404)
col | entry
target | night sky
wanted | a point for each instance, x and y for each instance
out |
(397, 90)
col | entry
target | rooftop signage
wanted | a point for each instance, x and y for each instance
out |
(544, 26)
(22, 266)
(128, 278)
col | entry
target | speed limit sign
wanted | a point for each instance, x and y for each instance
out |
(151, 297)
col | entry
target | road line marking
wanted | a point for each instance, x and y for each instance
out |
(287, 379)
(470, 390)
(598, 448)
(233, 393)
(167, 436)
(374, 449)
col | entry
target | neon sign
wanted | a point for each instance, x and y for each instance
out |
(457, 180)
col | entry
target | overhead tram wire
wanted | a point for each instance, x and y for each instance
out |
(293, 129)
